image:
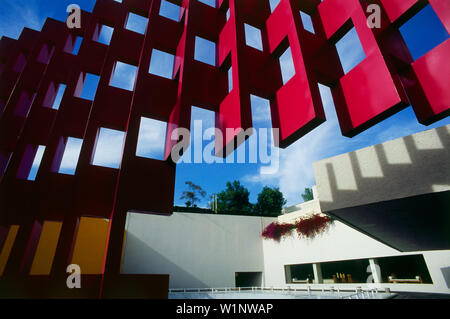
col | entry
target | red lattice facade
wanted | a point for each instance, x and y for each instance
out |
(385, 82)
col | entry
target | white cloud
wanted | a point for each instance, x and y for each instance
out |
(152, 136)
(295, 163)
(19, 16)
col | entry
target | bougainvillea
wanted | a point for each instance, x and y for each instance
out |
(312, 226)
(308, 227)
(276, 230)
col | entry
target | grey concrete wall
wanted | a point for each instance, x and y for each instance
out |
(412, 165)
(196, 250)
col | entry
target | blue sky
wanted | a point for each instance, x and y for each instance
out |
(422, 33)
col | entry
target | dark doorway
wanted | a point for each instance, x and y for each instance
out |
(248, 279)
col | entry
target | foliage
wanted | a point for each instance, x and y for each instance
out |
(313, 226)
(193, 194)
(276, 230)
(234, 199)
(308, 195)
(270, 202)
(308, 227)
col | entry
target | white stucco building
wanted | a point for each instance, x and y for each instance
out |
(369, 192)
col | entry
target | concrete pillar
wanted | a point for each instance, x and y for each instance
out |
(287, 273)
(376, 271)
(318, 279)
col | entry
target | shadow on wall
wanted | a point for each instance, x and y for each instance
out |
(412, 165)
(446, 274)
(140, 258)
(396, 192)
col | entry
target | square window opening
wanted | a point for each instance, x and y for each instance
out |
(123, 76)
(203, 121)
(170, 11)
(87, 86)
(205, 51)
(230, 79)
(77, 45)
(70, 155)
(103, 34)
(162, 64)
(54, 95)
(211, 3)
(151, 139)
(136, 23)
(423, 32)
(307, 22)
(274, 4)
(350, 50)
(31, 162)
(287, 65)
(108, 148)
(253, 37)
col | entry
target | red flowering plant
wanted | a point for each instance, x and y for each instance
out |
(276, 230)
(308, 227)
(313, 226)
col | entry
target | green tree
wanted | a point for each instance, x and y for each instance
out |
(193, 194)
(308, 195)
(234, 199)
(270, 202)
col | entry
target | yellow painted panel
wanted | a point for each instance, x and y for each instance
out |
(90, 245)
(9, 242)
(45, 251)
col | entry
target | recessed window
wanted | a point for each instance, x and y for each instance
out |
(253, 37)
(205, 51)
(88, 84)
(162, 64)
(287, 65)
(274, 4)
(77, 45)
(70, 157)
(170, 11)
(25, 101)
(261, 114)
(151, 140)
(230, 79)
(105, 34)
(124, 76)
(350, 50)
(46, 53)
(211, 3)
(201, 145)
(108, 148)
(54, 96)
(31, 161)
(59, 96)
(136, 23)
(423, 32)
(307, 22)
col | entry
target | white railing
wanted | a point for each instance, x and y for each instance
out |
(359, 292)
